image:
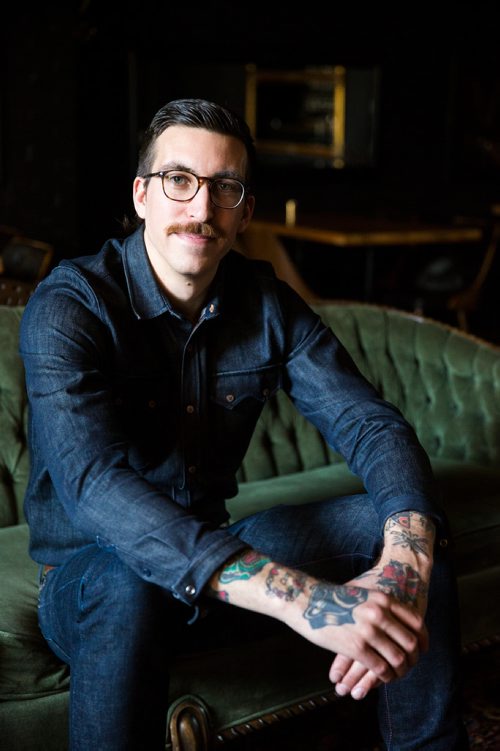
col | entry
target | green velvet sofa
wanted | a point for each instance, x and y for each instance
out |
(448, 386)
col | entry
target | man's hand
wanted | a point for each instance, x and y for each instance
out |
(403, 571)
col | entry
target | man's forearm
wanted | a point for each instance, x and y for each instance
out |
(322, 603)
(407, 557)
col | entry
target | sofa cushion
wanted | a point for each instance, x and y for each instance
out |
(28, 668)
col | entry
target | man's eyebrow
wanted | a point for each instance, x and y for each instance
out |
(179, 167)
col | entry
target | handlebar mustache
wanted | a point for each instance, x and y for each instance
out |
(194, 228)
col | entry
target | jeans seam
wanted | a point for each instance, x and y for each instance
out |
(388, 719)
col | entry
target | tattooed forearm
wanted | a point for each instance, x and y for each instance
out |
(244, 567)
(331, 605)
(402, 581)
(412, 531)
(287, 585)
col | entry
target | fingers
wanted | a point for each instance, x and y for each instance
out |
(351, 677)
(415, 623)
(339, 668)
(386, 638)
(358, 681)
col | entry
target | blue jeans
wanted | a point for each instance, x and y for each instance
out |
(118, 632)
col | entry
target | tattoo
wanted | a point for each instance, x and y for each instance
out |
(399, 527)
(402, 581)
(286, 585)
(331, 605)
(244, 567)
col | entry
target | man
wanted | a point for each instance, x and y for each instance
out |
(147, 366)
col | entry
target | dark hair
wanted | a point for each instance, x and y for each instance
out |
(195, 113)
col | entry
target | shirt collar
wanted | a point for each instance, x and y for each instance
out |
(146, 296)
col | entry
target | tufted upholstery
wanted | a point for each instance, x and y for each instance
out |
(446, 383)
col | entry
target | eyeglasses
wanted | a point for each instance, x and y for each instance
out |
(225, 192)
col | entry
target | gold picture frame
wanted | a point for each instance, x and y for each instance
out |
(298, 113)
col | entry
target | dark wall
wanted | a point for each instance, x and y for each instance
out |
(84, 78)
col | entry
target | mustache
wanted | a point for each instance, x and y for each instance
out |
(194, 228)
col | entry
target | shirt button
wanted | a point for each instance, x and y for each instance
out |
(192, 469)
(151, 404)
(211, 308)
(190, 590)
(443, 543)
(265, 393)
(190, 409)
(229, 397)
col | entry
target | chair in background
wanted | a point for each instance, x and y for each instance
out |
(467, 301)
(7, 232)
(27, 259)
(23, 263)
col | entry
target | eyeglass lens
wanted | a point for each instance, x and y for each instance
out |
(182, 186)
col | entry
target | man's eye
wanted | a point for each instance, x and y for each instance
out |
(225, 186)
(178, 180)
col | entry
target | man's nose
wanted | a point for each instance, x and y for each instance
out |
(201, 206)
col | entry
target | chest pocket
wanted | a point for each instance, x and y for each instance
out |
(236, 402)
(235, 391)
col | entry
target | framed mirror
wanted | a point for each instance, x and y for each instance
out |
(324, 116)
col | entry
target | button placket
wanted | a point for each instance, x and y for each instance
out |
(190, 389)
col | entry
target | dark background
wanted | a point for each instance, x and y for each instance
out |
(81, 80)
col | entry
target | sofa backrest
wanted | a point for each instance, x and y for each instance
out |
(445, 382)
(14, 463)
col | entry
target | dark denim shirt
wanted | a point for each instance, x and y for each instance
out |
(139, 420)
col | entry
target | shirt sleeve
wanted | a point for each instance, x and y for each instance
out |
(377, 442)
(77, 438)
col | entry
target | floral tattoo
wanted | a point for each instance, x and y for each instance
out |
(402, 581)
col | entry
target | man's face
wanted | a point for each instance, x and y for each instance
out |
(176, 250)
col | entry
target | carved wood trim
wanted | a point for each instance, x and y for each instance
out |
(189, 726)
(271, 718)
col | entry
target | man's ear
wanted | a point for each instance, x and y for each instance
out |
(247, 213)
(139, 194)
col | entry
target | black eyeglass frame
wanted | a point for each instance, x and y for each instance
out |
(201, 179)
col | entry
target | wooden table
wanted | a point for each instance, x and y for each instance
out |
(352, 231)
(361, 232)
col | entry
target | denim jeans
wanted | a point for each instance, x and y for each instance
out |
(118, 632)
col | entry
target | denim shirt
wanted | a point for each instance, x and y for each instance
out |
(139, 419)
